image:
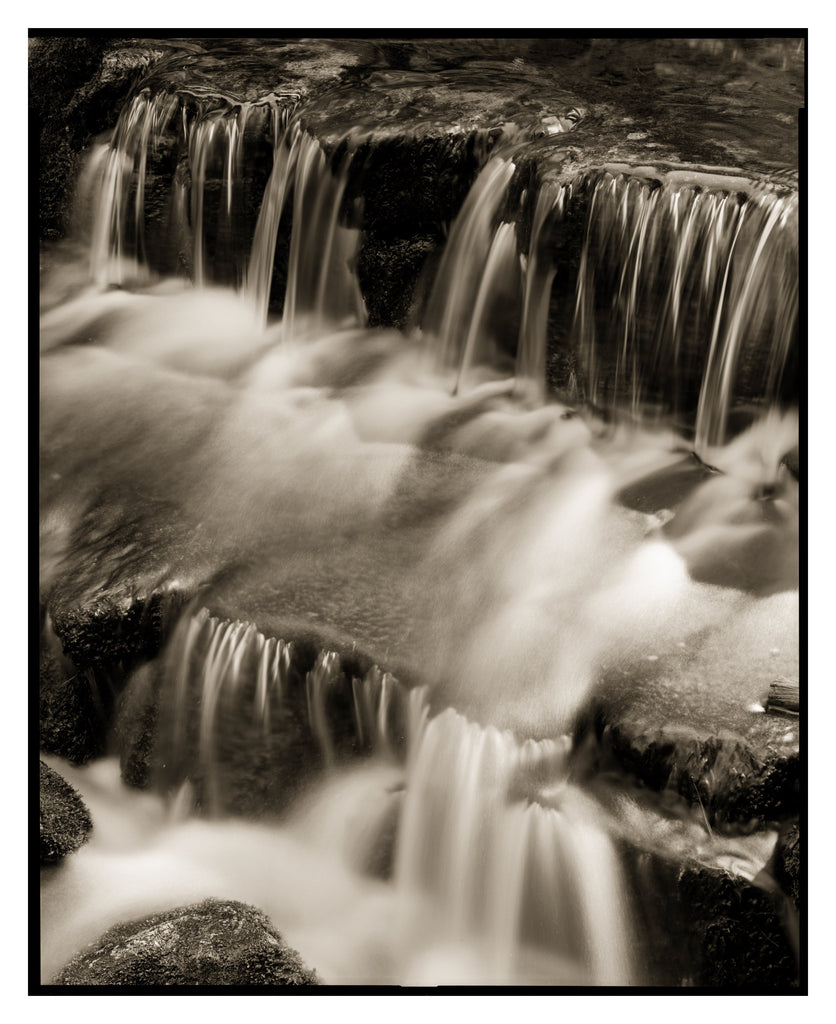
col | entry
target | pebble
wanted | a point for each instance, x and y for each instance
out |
(756, 707)
(653, 657)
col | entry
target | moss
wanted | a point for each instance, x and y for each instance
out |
(73, 711)
(736, 934)
(64, 820)
(216, 942)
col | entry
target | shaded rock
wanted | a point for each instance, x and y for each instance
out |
(217, 942)
(786, 862)
(702, 927)
(76, 87)
(64, 820)
(728, 778)
(736, 934)
(114, 629)
(72, 712)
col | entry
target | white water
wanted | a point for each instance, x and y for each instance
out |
(417, 508)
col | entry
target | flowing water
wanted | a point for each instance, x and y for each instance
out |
(424, 496)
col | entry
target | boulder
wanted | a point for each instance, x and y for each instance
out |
(65, 821)
(217, 942)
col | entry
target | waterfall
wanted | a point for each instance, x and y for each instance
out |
(439, 568)
(685, 294)
(208, 136)
(479, 860)
(676, 284)
(495, 849)
(246, 685)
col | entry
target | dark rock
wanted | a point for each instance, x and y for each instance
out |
(388, 272)
(114, 629)
(135, 726)
(786, 861)
(729, 779)
(736, 934)
(65, 821)
(73, 711)
(702, 927)
(76, 88)
(217, 942)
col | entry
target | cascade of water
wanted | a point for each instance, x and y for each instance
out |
(501, 270)
(675, 285)
(459, 279)
(227, 666)
(482, 862)
(260, 270)
(320, 285)
(117, 249)
(760, 300)
(325, 674)
(204, 133)
(530, 374)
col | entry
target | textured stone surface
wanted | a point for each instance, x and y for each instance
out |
(64, 820)
(216, 942)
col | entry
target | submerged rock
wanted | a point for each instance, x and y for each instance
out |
(65, 821)
(217, 942)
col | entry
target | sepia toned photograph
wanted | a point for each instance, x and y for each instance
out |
(420, 497)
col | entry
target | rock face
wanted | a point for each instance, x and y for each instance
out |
(216, 942)
(65, 821)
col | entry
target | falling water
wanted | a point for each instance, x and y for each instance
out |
(448, 508)
(686, 294)
(207, 135)
(537, 888)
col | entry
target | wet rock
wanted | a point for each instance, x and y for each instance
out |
(72, 711)
(786, 862)
(115, 629)
(736, 934)
(702, 927)
(732, 781)
(216, 942)
(76, 88)
(64, 820)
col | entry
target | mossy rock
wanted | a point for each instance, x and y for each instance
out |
(72, 714)
(217, 942)
(737, 936)
(65, 821)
